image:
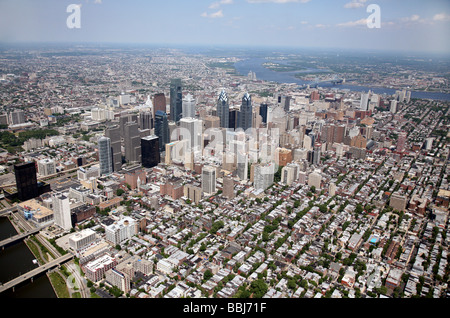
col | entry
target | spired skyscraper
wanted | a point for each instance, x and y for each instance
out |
(223, 109)
(146, 120)
(105, 156)
(246, 113)
(176, 100)
(162, 129)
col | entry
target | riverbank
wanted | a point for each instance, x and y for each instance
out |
(256, 65)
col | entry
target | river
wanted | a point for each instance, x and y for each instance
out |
(255, 65)
(16, 260)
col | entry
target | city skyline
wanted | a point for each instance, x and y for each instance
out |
(412, 26)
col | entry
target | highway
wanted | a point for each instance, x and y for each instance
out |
(18, 237)
(31, 274)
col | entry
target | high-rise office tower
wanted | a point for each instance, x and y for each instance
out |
(61, 211)
(316, 155)
(126, 118)
(228, 188)
(17, 117)
(113, 133)
(285, 102)
(315, 179)
(145, 120)
(150, 151)
(176, 100)
(263, 175)
(26, 181)
(246, 113)
(189, 107)
(105, 156)
(393, 108)
(223, 109)
(159, 103)
(191, 129)
(209, 179)
(132, 139)
(162, 129)
(290, 173)
(364, 104)
(241, 165)
(339, 134)
(401, 141)
(233, 118)
(263, 112)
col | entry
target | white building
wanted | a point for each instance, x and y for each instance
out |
(118, 279)
(82, 239)
(263, 175)
(290, 173)
(191, 130)
(315, 179)
(121, 230)
(61, 210)
(393, 108)
(209, 180)
(46, 167)
(188, 107)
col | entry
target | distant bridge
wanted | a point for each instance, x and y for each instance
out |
(334, 80)
(33, 273)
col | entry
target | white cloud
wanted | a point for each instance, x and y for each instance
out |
(362, 22)
(218, 14)
(413, 18)
(355, 4)
(217, 4)
(277, 1)
(441, 17)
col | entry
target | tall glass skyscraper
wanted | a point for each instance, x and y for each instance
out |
(162, 129)
(26, 181)
(113, 133)
(150, 151)
(105, 155)
(176, 100)
(189, 107)
(246, 113)
(223, 109)
(132, 139)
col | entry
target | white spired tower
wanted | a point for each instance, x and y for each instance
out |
(61, 211)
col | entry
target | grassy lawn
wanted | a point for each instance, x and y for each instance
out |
(59, 284)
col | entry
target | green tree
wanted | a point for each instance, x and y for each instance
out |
(258, 288)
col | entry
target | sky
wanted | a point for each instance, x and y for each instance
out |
(405, 25)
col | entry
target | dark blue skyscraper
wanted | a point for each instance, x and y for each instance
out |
(223, 109)
(162, 129)
(176, 100)
(263, 112)
(246, 113)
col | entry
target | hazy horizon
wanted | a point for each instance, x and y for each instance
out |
(408, 26)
